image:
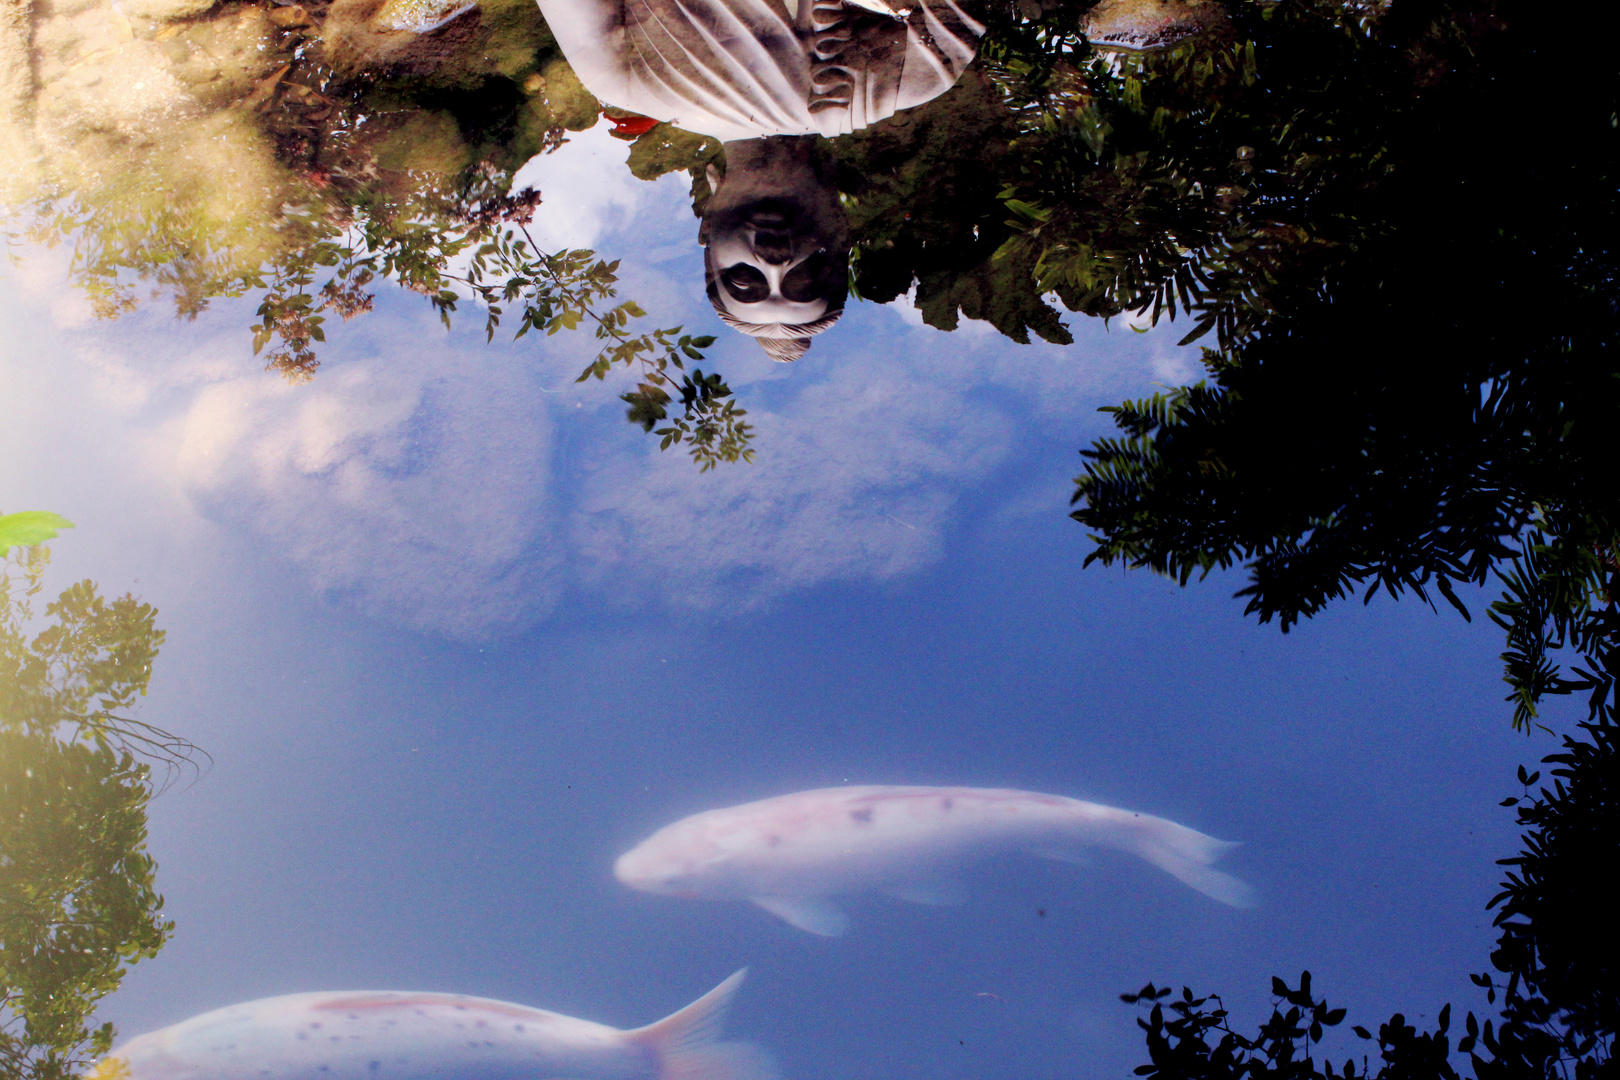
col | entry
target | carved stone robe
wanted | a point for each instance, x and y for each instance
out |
(742, 69)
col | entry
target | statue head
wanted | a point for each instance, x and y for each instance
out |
(776, 243)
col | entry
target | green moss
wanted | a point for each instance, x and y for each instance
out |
(573, 106)
(516, 37)
(426, 141)
(667, 149)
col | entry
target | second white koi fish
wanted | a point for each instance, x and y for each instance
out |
(390, 1035)
(790, 855)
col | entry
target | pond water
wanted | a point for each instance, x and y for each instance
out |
(444, 636)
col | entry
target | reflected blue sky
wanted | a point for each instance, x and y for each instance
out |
(456, 636)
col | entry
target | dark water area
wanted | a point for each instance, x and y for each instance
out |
(815, 539)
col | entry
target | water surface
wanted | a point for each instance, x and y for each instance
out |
(455, 635)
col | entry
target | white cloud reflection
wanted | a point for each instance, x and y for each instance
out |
(416, 488)
(428, 479)
(855, 478)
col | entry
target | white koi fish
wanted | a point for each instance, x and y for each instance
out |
(790, 854)
(389, 1035)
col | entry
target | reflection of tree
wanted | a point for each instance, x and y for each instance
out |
(1556, 965)
(1412, 384)
(78, 904)
(1227, 178)
(921, 212)
(318, 153)
(1468, 328)
(1051, 173)
(77, 900)
(505, 270)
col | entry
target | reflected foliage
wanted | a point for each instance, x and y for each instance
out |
(1557, 961)
(1192, 1037)
(1204, 179)
(923, 194)
(339, 156)
(1555, 970)
(1556, 966)
(78, 903)
(78, 676)
(1427, 397)
(1410, 319)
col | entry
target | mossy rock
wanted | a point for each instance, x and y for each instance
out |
(571, 105)
(667, 149)
(425, 141)
(518, 38)
(498, 38)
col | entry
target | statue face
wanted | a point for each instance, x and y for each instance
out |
(776, 236)
(769, 268)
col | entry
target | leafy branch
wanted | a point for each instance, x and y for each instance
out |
(1192, 1038)
(1559, 592)
(78, 899)
(84, 671)
(507, 272)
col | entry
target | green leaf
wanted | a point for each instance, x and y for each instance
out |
(29, 527)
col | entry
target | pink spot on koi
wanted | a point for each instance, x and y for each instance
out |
(416, 1001)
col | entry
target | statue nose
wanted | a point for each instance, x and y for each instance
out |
(773, 247)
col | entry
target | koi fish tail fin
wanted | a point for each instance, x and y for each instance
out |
(1186, 855)
(687, 1044)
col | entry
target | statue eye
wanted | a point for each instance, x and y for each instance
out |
(813, 279)
(745, 283)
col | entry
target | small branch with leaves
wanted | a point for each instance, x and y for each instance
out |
(509, 274)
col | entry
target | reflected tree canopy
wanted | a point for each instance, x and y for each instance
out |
(303, 154)
(78, 902)
(1400, 258)
(1421, 384)
(1256, 171)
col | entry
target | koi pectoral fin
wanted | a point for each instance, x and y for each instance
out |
(816, 914)
(1073, 855)
(934, 893)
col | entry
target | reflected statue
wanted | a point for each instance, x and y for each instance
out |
(775, 244)
(766, 78)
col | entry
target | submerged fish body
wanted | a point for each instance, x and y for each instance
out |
(390, 1035)
(790, 854)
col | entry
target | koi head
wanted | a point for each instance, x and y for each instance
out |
(690, 858)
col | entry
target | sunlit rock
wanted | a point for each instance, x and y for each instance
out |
(165, 10)
(126, 118)
(444, 42)
(1149, 24)
(421, 16)
(16, 100)
(177, 147)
